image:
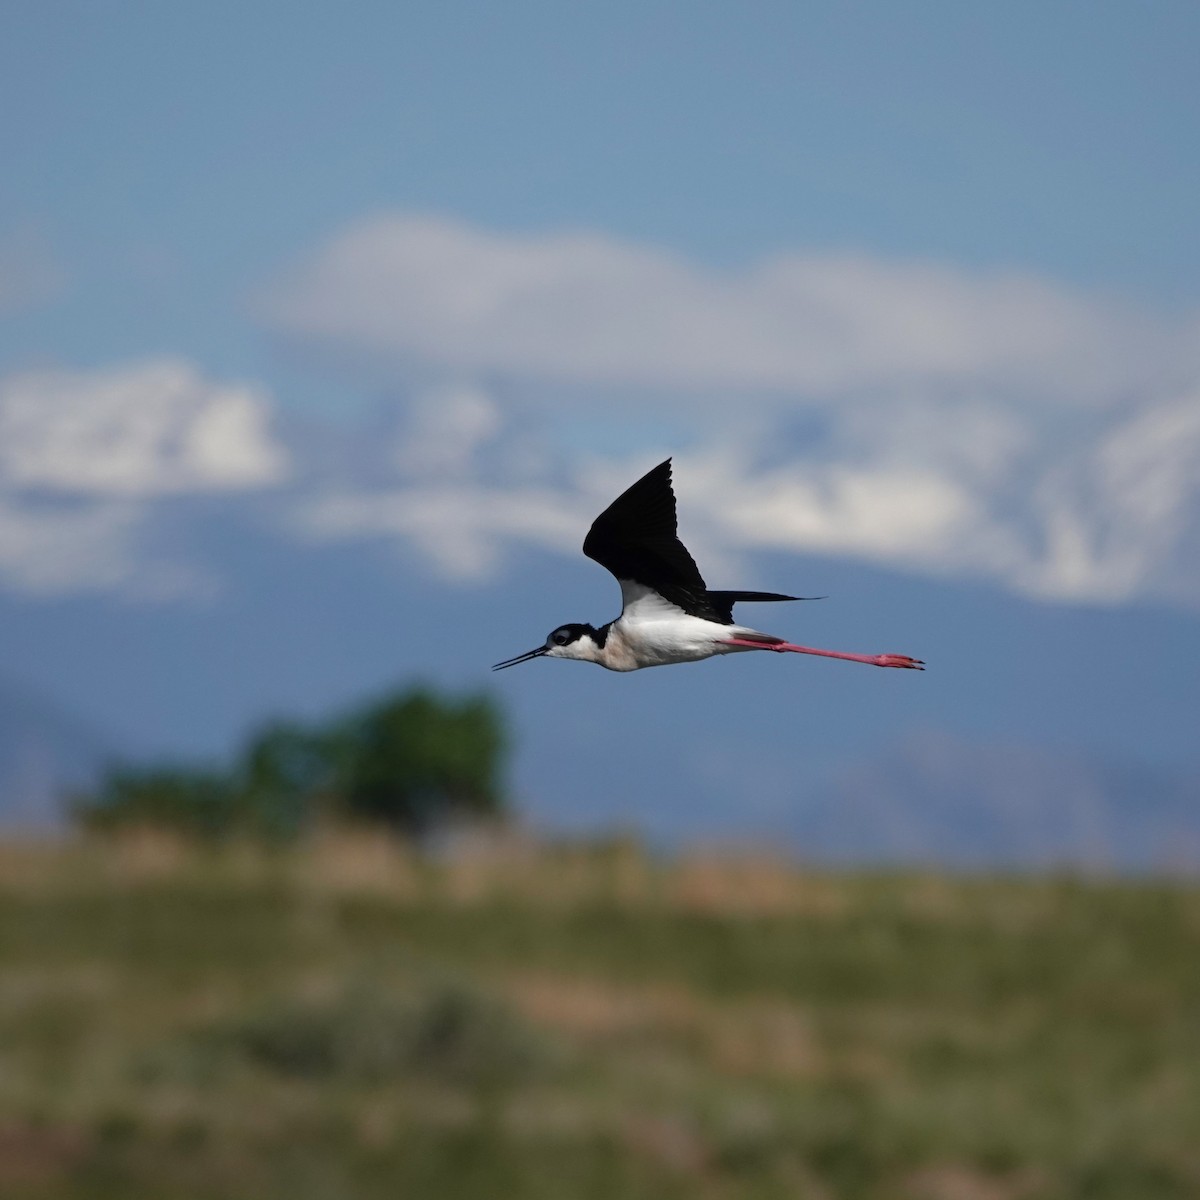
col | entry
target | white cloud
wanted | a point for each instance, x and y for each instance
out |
(463, 528)
(51, 550)
(86, 455)
(140, 429)
(1104, 514)
(967, 423)
(92, 548)
(872, 512)
(919, 416)
(1116, 513)
(585, 308)
(445, 429)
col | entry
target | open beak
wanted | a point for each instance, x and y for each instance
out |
(512, 662)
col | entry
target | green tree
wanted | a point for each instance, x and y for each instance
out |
(284, 778)
(413, 760)
(416, 760)
(198, 802)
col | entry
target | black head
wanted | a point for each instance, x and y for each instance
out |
(567, 641)
(564, 635)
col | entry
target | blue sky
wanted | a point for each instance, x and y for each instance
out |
(404, 294)
(192, 148)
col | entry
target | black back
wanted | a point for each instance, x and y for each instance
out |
(635, 538)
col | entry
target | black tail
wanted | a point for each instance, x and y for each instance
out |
(723, 602)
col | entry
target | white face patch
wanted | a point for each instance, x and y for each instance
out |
(582, 648)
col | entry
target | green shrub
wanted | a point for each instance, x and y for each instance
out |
(451, 1032)
(409, 760)
(413, 761)
(192, 801)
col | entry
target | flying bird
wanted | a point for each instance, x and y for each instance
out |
(668, 614)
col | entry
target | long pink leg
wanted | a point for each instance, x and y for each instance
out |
(874, 660)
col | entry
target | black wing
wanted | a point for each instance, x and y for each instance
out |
(723, 602)
(635, 538)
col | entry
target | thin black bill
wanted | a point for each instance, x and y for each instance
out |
(512, 662)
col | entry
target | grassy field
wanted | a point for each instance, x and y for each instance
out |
(344, 1021)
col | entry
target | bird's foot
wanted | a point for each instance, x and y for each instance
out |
(899, 660)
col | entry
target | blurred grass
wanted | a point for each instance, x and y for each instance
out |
(345, 1020)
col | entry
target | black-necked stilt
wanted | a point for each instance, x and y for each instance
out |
(668, 614)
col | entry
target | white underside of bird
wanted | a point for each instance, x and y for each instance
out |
(652, 632)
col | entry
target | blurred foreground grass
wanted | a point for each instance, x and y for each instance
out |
(344, 1020)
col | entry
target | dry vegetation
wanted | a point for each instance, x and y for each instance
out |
(347, 1020)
